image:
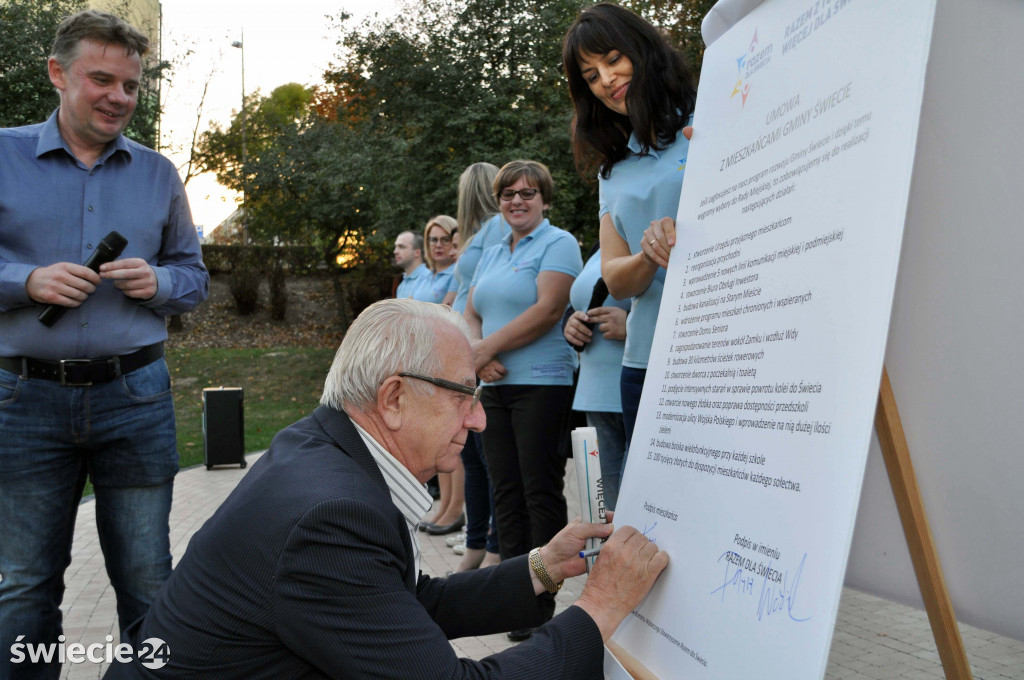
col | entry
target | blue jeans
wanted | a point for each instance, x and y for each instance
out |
(481, 531)
(120, 434)
(611, 443)
(631, 385)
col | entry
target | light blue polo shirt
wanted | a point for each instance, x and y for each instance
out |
(435, 286)
(601, 361)
(410, 282)
(490, 234)
(505, 285)
(639, 190)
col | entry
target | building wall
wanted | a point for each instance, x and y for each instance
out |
(142, 14)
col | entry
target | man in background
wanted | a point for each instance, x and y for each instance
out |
(89, 395)
(409, 258)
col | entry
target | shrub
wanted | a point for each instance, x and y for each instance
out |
(245, 285)
(278, 292)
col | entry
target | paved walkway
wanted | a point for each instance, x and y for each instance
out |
(874, 638)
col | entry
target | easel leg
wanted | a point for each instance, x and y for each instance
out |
(919, 537)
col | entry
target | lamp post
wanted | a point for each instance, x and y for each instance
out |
(240, 44)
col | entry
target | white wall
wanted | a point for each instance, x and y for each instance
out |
(957, 334)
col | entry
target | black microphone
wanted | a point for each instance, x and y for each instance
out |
(597, 298)
(108, 250)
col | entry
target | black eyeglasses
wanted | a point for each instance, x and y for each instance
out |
(449, 385)
(525, 194)
(438, 240)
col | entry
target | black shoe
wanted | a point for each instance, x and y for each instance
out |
(434, 488)
(521, 634)
(425, 525)
(439, 530)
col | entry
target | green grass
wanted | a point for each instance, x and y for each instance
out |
(280, 386)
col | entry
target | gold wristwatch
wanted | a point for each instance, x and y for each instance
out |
(537, 564)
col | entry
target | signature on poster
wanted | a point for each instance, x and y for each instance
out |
(775, 591)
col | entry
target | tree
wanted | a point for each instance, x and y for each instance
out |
(412, 101)
(315, 186)
(453, 82)
(27, 29)
(191, 168)
(219, 149)
(681, 19)
(427, 93)
(27, 96)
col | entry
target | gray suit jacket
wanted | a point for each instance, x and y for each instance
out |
(306, 571)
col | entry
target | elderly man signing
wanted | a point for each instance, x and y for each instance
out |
(310, 568)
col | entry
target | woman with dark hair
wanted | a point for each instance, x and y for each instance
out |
(632, 97)
(516, 301)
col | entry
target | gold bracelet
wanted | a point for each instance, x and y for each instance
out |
(537, 564)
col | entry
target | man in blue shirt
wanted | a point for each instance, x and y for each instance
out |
(89, 395)
(409, 258)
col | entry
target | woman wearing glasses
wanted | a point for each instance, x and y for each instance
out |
(439, 287)
(439, 254)
(516, 301)
(632, 95)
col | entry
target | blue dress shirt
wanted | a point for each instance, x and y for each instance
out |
(55, 209)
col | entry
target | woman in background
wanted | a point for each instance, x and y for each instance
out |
(439, 255)
(439, 288)
(599, 333)
(632, 96)
(516, 301)
(480, 227)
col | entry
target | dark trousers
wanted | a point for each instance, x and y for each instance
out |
(481, 531)
(631, 385)
(524, 444)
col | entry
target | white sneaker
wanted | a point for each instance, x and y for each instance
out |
(455, 539)
(459, 549)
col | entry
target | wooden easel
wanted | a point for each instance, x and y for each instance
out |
(896, 454)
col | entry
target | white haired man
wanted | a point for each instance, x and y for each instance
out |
(310, 568)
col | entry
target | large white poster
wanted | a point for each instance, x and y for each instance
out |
(748, 457)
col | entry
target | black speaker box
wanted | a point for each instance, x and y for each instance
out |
(223, 426)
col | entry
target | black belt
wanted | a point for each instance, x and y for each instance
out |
(83, 371)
